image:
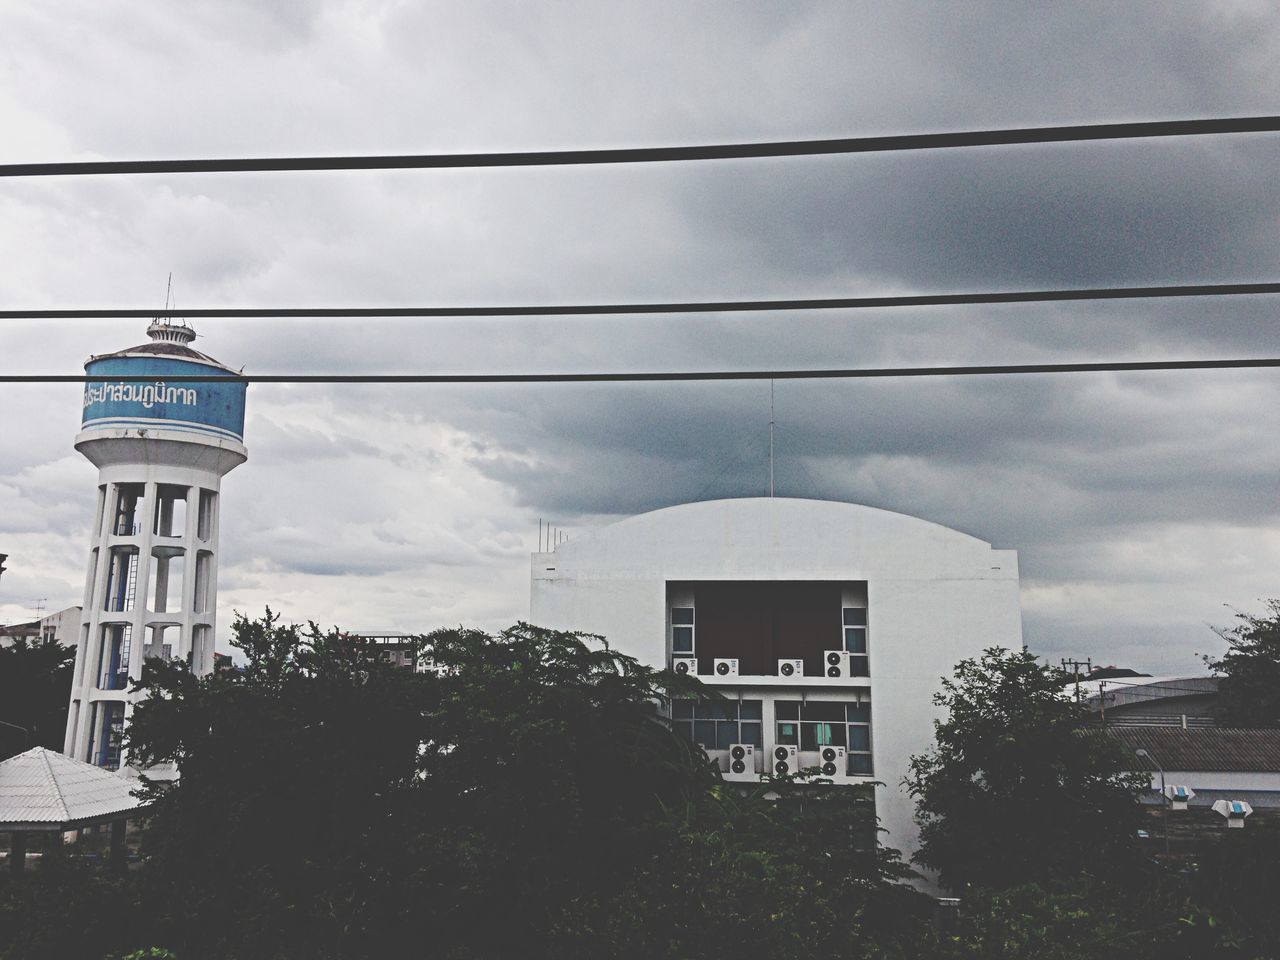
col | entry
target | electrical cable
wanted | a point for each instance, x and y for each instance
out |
(705, 306)
(729, 151)
(637, 377)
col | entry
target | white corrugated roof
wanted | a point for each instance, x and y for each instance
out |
(41, 786)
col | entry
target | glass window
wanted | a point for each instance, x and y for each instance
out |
(860, 763)
(682, 629)
(855, 639)
(823, 710)
(716, 725)
(859, 666)
(858, 712)
(855, 616)
(787, 709)
(859, 738)
(815, 735)
(789, 733)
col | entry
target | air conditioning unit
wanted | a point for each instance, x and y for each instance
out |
(742, 762)
(725, 668)
(1234, 810)
(791, 668)
(687, 665)
(836, 663)
(1179, 796)
(834, 763)
(786, 759)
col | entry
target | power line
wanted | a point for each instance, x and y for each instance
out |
(729, 151)
(700, 306)
(830, 374)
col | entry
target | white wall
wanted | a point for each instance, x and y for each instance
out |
(935, 596)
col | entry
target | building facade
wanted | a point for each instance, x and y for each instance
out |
(828, 626)
(161, 447)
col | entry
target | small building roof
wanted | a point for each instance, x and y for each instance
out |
(1212, 749)
(43, 790)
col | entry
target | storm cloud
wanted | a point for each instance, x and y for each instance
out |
(1139, 503)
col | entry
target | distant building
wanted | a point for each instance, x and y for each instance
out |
(827, 625)
(62, 627)
(161, 443)
(1177, 701)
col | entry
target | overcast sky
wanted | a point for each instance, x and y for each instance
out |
(1143, 506)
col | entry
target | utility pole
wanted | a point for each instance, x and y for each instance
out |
(1073, 667)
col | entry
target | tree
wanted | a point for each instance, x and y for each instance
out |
(524, 798)
(1249, 691)
(1019, 787)
(35, 690)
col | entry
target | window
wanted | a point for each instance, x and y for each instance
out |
(814, 724)
(682, 630)
(171, 511)
(128, 499)
(104, 745)
(168, 570)
(204, 518)
(717, 725)
(114, 656)
(122, 580)
(855, 640)
(859, 720)
(204, 563)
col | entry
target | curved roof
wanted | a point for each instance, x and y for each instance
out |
(176, 351)
(780, 538)
(797, 512)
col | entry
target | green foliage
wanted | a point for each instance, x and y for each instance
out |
(528, 799)
(35, 689)
(65, 909)
(1249, 691)
(1147, 917)
(1019, 788)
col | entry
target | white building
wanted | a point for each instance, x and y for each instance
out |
(161, 442)
(888, 602)
(62, 627)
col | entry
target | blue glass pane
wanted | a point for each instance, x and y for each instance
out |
(859, 738)
(832, 711)
(855, 616)
(704, 732)
(860, 763)
(716, 711)
(749, 710)
(859, 712)
(860, 666)
(788, 733)
(751, 733)
(787, 709)
(809, 736)
(726, 733)
(682, 614)
(682, 639)
(855, 639)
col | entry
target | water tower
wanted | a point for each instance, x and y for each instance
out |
(161, 448)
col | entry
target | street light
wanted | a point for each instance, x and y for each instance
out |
(26, 734)
(1164, 801)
